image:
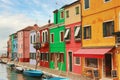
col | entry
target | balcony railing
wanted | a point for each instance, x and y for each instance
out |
(37, 45)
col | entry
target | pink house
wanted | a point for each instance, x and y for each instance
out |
(23, 44)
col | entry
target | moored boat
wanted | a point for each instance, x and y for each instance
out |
(19, 69)
(33, 73)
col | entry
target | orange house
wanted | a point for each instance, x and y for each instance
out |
(100, 19)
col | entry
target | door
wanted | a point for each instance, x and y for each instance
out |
(70, 61)
(108, 65)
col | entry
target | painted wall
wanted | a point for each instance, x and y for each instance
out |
(58, 47)
(20, 45)
(12, 48)
(99, 6)
(44, 47)
(96, 23)
(32, 49)
(57, 17)
(26, 46)
(73, 18)
(73, 46)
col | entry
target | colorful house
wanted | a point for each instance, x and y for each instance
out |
(12, 45)
(57, 44)
(44, 40)
(73, 36)
(15, 45)
(9, 48)
(99, 21)
(23, 44)
(32, 40)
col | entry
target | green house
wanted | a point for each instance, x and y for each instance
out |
(57, 44)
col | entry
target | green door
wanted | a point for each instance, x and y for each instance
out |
(70, 61)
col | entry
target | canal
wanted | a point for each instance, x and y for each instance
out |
(7, 74)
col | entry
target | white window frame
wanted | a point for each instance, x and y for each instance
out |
(45, 35)
(75, 61)
(66, 33)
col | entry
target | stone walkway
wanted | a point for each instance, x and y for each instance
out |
(57, 73)
(53, 72)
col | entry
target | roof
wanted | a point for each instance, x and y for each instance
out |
(46, 26)
(68, 5)
(29, 28)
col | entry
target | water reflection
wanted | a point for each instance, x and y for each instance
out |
(7, 74)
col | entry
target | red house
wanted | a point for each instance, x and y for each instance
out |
(44, 40)
(72, 36)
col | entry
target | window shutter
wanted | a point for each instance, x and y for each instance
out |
(104, 30)
(90, 32)
(84, 33)
(112, 27)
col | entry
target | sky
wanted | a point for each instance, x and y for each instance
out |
(18, 14)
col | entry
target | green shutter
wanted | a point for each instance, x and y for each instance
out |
(104, 30)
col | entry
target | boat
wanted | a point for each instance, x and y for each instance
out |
(11, 65)
(33, 73)
(19, 69)
(57, 78)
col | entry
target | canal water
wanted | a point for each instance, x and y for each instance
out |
(7, 74)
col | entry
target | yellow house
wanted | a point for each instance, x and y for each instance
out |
(100, 19)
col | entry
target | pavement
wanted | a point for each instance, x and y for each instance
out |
(52, 72)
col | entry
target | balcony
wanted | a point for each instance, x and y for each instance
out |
(37, 45)
(44, 44)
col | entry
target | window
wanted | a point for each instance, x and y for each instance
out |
(43, 36)
(67, 34)
(77, 10)
(108, 28)
(46, 36)
(87, 32)
(106, 0)
(86, 4)
(91, 62)
(77, 60)
(34, 38)
(67, 14)
(52, 38)
(77, 32)
(62, 14)
(61, 57)
(61, 36)
(31, 39)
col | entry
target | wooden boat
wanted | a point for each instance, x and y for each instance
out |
(57, 78)
(19, 69)
(33, 73)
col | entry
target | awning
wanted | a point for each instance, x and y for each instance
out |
(66, 33)
(92, 53)
(77, 31)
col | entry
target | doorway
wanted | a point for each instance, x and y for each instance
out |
(70, 61)
(108, 65)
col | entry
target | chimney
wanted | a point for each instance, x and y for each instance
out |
(49, 21)
(35, 25)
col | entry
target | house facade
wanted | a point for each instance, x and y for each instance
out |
(44, 40)
(23, 44)
(72, 36)
(57, 44)
(15, 45)
(33, 39)
(12, 44)
(99, 21)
